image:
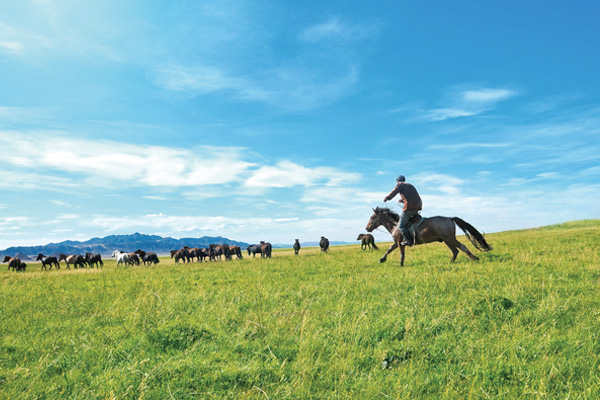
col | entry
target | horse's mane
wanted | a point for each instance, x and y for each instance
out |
(386, 211)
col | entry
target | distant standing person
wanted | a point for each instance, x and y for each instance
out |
(296, 246)
(324, 243)
(412, 205)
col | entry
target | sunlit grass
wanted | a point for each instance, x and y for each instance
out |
(523, 322)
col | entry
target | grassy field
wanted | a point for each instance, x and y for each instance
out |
(522, 323)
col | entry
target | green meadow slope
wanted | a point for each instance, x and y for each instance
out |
(523, 322)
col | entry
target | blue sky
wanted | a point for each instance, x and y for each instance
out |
(283, 120)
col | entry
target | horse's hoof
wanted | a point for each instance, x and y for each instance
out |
(382, 260)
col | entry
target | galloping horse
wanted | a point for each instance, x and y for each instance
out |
(15, 263)
(76, 260)
(50, 260)
(434, 229)
(367, 240)
(122, 258)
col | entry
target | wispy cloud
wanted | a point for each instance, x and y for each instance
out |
(14, 48)
(468, 103)
(291, 88)
(336, 28)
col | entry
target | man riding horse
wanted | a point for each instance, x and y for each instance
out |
(412, 205)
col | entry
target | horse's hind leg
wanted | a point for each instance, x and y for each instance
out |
(454, 251)
(464, 248)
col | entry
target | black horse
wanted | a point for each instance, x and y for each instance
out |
(49, 260)
(324, 244)
(94, 259)
(297, 246)
(150, 258)
(254, 249)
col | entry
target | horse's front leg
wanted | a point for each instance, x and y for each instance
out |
(392, 248)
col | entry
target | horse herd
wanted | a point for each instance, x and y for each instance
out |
(186, 254)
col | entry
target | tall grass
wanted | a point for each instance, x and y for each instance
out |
(523, 322)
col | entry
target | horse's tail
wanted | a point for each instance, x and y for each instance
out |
(473, 235)
(374, 245)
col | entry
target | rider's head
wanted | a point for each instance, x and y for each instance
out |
(401, 178)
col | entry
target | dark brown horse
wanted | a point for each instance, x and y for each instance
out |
(182, 254)
(235, 250)
(367, 240)
(265, 249)
(434, 229)
(15, 263)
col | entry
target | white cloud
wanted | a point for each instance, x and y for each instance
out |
(14, 48)
(288, 174)
(103, 163)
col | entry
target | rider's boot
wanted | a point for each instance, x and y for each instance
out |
(408, 239)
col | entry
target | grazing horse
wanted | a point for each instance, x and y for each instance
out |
(122, 258)
(94, 260)
(434, 229)
(324, 244)
(266, 249)
(15, 263)
(150, 257)
(76, 260)
(253, 249)
(296, 246)
(367, 240)
(235, 250)
(50, 260)
(182, 254)
(218, 250)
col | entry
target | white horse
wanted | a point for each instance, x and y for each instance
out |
(122, 258)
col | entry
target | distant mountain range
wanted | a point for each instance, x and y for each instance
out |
(108, 244)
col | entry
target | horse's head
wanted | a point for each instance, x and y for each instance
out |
(6, 259)
(360, 236)
(381, 215)
(62, 257)
(116, 253)
(39, 257)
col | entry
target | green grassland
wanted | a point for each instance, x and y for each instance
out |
(521, 323)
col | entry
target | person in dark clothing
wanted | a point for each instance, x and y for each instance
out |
(412, 205)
